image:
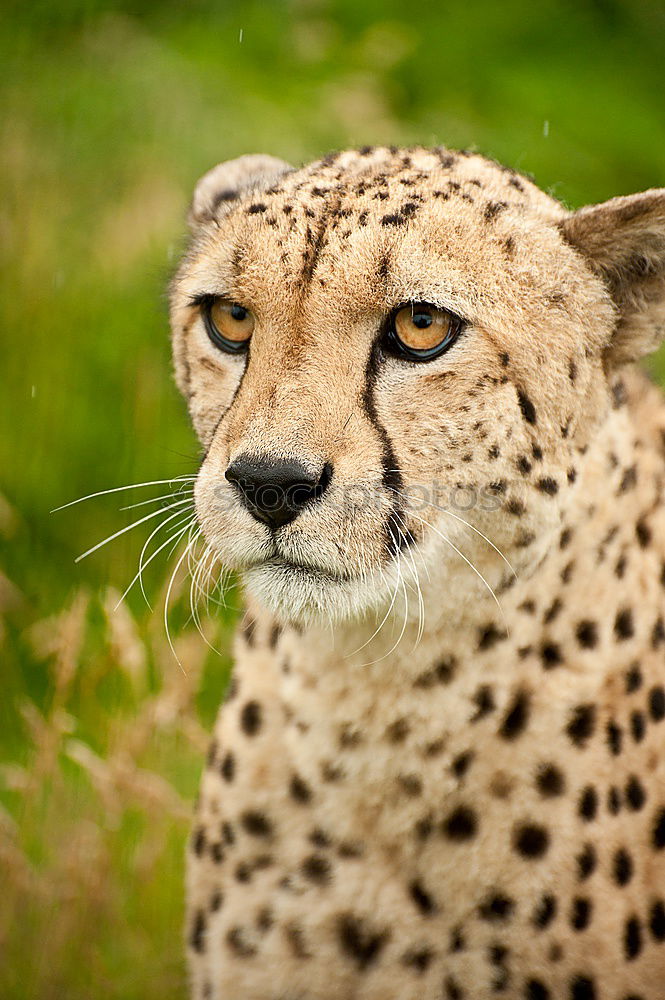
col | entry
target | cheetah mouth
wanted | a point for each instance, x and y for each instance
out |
(303, 571)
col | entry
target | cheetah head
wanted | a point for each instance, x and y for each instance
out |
(395, 361)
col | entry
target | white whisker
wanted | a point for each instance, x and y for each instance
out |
(128, 527)
(118, 489)
(164, 496)
(142, 565)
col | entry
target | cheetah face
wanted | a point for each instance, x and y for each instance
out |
(393, 361)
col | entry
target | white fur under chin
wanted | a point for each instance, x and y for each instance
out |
(305, 597)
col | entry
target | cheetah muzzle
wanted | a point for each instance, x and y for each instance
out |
(439, 772)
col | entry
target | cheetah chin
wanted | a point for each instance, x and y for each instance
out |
(438, 773)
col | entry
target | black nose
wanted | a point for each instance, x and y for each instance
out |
(275, 490)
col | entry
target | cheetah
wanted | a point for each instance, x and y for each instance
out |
(438, 773)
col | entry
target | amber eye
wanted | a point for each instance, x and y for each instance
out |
(420, 331)
(228, 324)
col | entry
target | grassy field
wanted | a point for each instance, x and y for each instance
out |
(111, 112)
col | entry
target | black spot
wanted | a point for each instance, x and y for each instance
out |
(442, 673)
(657, 920)
(319, 838)
(418, 959)
(453, 990)
(296, 940)
(536, 990)
(198, 931)
(550, 654)
(484, 702)
(217, 852)
(632, 938)
(422, 898)
(623, 625)
(545, 912)
(275, 633)
(635, 794)
(410, 783)
(228, 767)
(638, 725)
(460, 764)
(658, 830)
(256, 208)
(317, 869)
(524, 465)
(527, 407)
(628, 480)
(581, 725)
(211, 757)
(457, 942)
(658, 633)
(493, 208)
(580, 914)
(462, 824)
(358, 941)
(393, 220)
(657, 703)
(613, 800)
(489, 636)
(531, 840)
(256, 823)
(516, 718)
(251, 718)
(516, 508)
(587, 634)
(588, 803)
(586, 862)
(398, 731)
(548, 485)
(622, 866)
(504, 357)
(243, 872)
(614, 738)
(216, 901)
(582, 988)
(643, 533)
(300, 790)
(497, 908)
(424, 827)
(199, 841)
(633, 678)
(550, 781)
(619, 394)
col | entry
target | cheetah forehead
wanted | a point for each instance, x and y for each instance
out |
(377, 179)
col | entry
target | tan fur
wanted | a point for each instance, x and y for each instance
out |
(418, 790)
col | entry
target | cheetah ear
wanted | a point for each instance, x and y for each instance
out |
(229, 180)
(624, 241)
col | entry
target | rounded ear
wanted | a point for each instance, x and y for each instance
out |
(624, 241)
(228, 180)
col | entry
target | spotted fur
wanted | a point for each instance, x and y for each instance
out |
(477, 810)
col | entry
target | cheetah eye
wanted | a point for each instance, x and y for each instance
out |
(420, 331)
(228, 324)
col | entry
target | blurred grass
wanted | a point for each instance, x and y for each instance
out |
(111, 112)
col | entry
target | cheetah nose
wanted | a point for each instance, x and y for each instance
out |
(275, 490)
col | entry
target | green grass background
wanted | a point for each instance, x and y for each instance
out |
(110, 113)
